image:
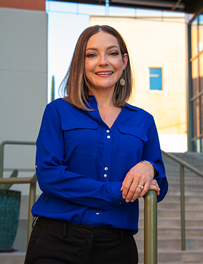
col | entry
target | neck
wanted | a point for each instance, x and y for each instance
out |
(103, 98)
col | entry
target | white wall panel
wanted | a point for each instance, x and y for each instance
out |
(23, 82)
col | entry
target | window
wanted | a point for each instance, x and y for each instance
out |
(196, 88)
(155, 79)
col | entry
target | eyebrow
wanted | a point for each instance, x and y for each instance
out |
(110, 47)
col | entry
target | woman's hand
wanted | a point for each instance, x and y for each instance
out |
(138, 181)
(154, 186)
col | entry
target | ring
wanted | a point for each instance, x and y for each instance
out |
(141, 186)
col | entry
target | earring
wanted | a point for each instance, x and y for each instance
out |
(122, 82)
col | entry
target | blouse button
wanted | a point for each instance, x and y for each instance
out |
(97, 213)
(108, 136)
(105, 175)
(106, 168)
(107, 131)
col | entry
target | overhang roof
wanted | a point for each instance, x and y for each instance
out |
(194, 7)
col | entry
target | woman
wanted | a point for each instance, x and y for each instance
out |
(96, 155)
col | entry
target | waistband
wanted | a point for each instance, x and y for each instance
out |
(65, 228)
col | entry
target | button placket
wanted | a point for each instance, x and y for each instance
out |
(106, 169)
(108, 131)
(107, 154)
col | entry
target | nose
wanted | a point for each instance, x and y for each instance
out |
(103, 60)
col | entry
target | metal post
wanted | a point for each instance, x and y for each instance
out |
(32, 199)
(3, 143)
(189, 91)
(182, 200)
(1, 159)
(150, 228)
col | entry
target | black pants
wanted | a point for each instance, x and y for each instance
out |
(58, 242)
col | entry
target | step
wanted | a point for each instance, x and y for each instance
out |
(175, 222)
(182, 262)
(188, 199)
(174, 232)
(170, 213)
(173, 244)
(12, 258)
(188, 187)
(20, 242)
(176, 213)
(176, 206)
(187, 192)
(174, 197)
(174, 256)
(187, 180)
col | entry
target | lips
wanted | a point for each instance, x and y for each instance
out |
(104, 73)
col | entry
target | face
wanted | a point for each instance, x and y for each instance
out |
(104, 62)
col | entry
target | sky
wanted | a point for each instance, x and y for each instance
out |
(66, 21)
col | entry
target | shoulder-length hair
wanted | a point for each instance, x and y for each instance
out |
(75, 88)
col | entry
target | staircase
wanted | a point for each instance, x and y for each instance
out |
(169, 223)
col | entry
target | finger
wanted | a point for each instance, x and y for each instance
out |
(137, 192)
(127, 184)
(145, 189)
(154, 185)
(155, 188)
(133, 192)
(154, 182)
(125, 188)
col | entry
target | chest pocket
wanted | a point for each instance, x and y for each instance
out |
(80, 137)
(131, 142)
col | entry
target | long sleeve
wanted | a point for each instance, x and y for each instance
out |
(54, 176)
(152, 153)
(81, 163)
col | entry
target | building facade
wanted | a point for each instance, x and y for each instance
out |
(23, 81)
(158, 55)
(196, 84)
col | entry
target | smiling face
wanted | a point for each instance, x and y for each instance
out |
(104, 62)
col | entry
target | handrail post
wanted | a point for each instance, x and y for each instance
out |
(182, 200)
(1, 159)
(150, 227)
(3, 143)
(32, 199)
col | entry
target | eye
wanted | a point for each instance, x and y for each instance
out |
(90, 55)
(114, 53)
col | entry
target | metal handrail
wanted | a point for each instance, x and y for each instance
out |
(10, 142)
(183, 165)
(32, 195)
(150, 217)
(150, 207)
(31, 180)
(150, 227)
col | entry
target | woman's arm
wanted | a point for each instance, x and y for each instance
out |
(57, 181)
(142, 174)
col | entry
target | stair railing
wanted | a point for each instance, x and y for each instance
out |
(150, 207)
(2, 145)
(28, 180)
(183, 165)
(150, 227)
(32, 195)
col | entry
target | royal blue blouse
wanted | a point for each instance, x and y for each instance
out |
(81, 163)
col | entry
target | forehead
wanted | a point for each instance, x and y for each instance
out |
(102, 39)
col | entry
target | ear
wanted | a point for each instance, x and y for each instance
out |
(125, 60)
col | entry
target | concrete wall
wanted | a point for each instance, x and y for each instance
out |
(23, 83)
(157, 44)
(24, 4)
